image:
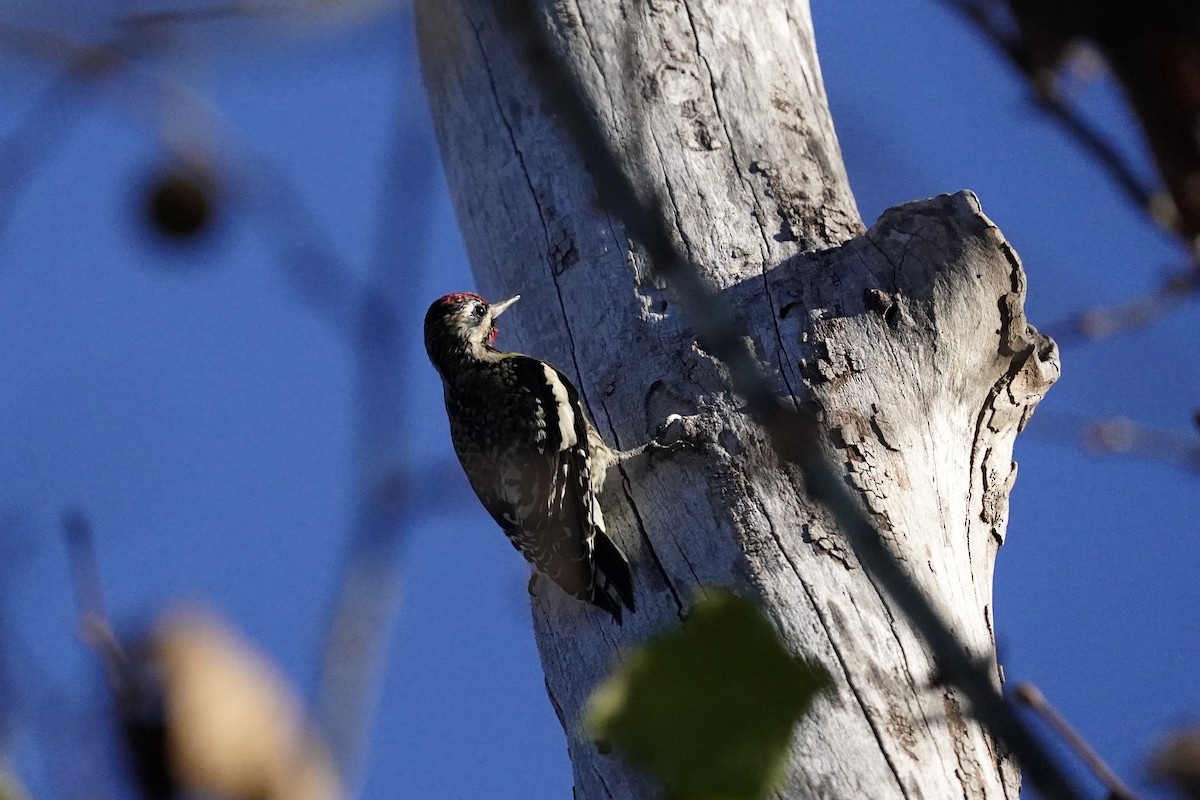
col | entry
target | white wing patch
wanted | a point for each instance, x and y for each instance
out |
(566, 415)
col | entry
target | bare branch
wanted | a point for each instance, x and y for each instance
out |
(983, 15)
(1119, 437)
(368, 598)
(1032, 696)
(94, 626)
(1102, 322)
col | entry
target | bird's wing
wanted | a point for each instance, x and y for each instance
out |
(603, 569)
(537, 488)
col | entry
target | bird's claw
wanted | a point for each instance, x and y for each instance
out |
(668, 435)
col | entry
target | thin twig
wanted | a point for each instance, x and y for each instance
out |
(94, 626)
(1118, 436)
(44, 127)
(248, 10)
(794, 433)
(1031, 696)
(1102, 322)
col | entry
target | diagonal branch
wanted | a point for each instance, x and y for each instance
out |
(1119, 437)
(368, 594)
(1036, 60)
(1032, 696)
(1049, 101)
(1101, 322)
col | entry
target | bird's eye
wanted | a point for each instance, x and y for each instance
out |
(478, 312)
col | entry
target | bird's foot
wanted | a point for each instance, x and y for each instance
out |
(670, 435)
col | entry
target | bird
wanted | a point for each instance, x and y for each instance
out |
(529, 451)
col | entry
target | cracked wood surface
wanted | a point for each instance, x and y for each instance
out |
(909, 338)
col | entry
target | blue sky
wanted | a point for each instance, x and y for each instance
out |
(204, 415)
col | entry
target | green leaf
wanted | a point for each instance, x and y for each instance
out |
(708, 709)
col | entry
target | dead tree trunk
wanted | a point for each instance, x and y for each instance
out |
(909, 338)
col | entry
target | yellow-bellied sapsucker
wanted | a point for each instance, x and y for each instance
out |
(529, 451)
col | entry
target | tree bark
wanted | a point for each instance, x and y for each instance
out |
(909, 339)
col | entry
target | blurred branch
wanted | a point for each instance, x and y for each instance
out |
(1153, 49)
(28, 146)
(56, 109)
(373, 315)
(205, 714)
(982, 14)
(310, 264)
(81, 550)
(200, 712)
(368, 598)
(367, 313)
(1101, 322)
(68, 731)
(1032, 697)
(1118, 437)
(94, 626)
(246, 9)
(795, 433)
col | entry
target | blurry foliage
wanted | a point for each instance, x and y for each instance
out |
(180, 202)
(205, 715)
(708, 709)
(10, 787)
(1177, 763)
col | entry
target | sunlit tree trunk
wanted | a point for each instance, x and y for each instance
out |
(909, 338)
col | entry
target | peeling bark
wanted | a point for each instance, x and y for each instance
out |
(909, 339)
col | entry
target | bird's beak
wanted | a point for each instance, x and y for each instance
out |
(500, 308)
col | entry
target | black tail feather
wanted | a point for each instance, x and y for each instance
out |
(612, 583)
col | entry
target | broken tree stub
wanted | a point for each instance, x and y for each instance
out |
(908, 339)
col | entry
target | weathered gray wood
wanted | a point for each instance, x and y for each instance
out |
(909, 338)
